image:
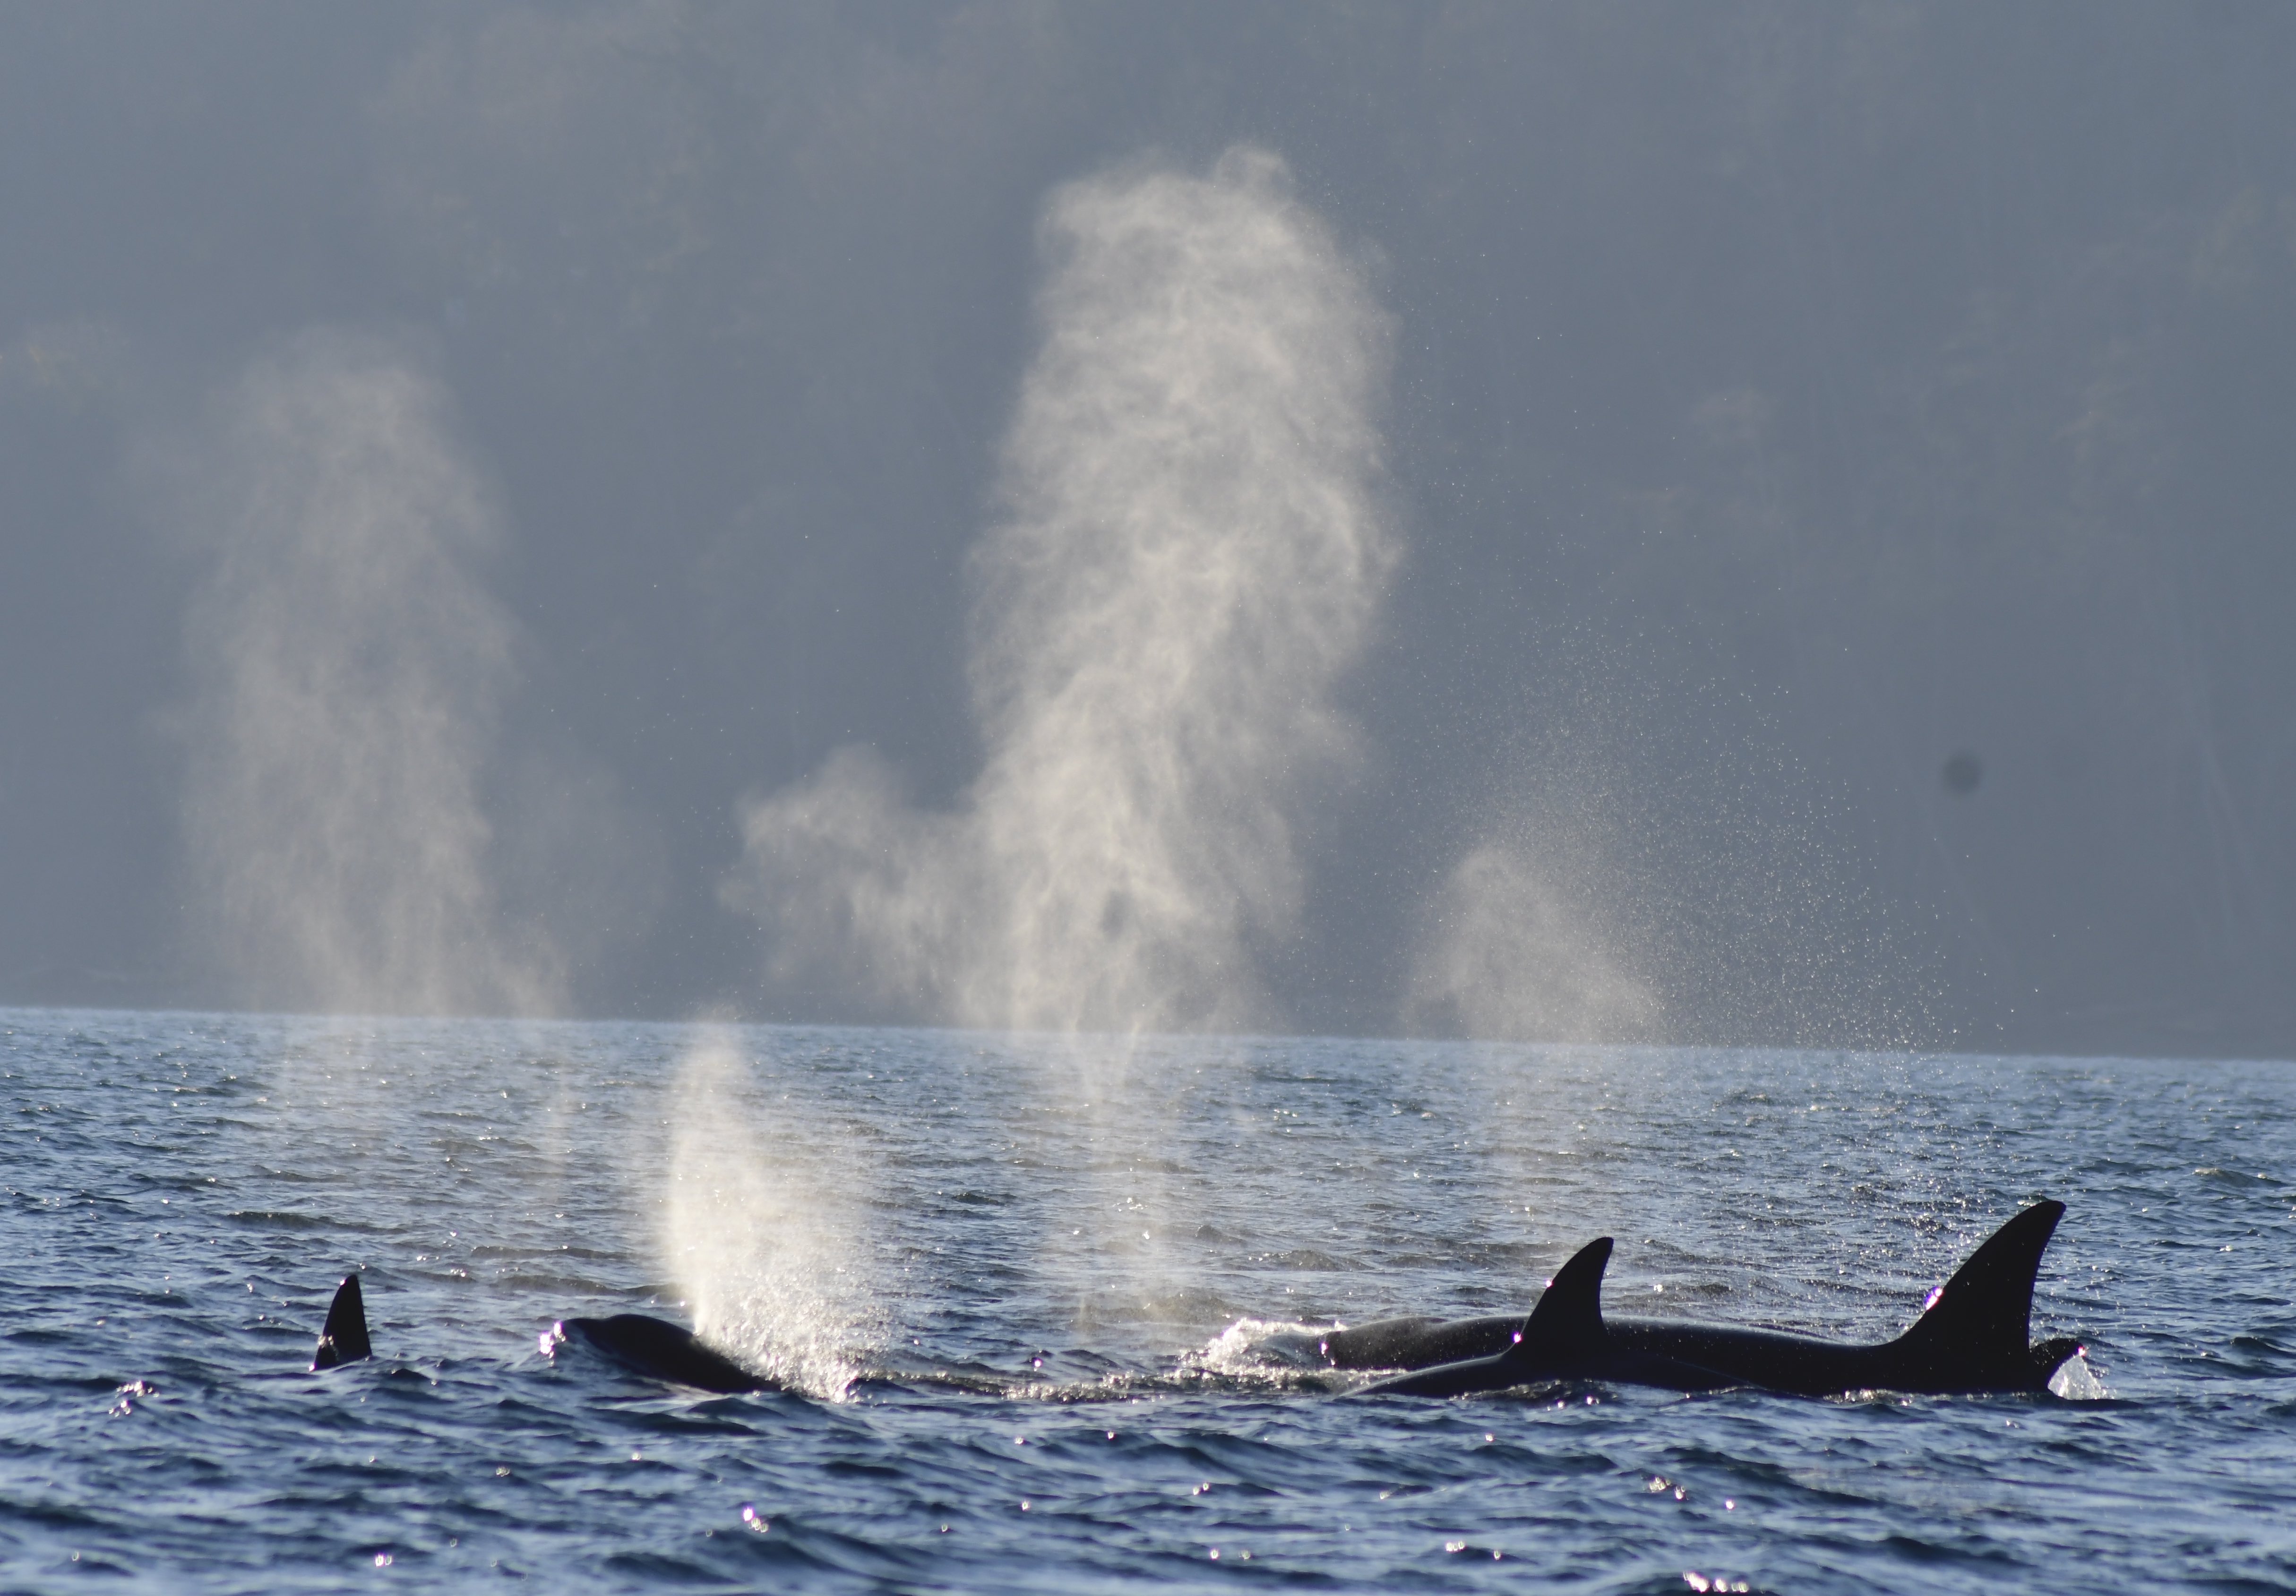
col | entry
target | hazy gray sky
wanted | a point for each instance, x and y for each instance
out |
(465, 470)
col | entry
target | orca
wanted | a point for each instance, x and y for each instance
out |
(654, 1348)
(343, 1339)
(1970, 1338)
(657, 1349)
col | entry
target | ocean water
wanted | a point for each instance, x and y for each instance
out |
(1024, 1284)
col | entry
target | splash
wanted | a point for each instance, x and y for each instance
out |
(2078, 1380)
(349, 669)
(759, 1232)
(1190, 556)
(1280, 1353)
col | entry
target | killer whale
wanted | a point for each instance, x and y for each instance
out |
(1971, 1338)
(343, 1339)
(637, 1343)
(656, 1349)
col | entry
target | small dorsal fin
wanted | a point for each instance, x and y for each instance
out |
(1982, 1317)
(1568, 1322)
(344, 1338)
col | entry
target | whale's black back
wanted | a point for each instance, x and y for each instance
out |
(660, 1350)
(1971, 1338)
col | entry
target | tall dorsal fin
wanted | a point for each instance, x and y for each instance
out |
(1568, 1322)
(1981, 1318)
(344, 1339)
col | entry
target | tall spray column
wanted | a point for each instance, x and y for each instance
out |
(348, 668)
(1188, 555)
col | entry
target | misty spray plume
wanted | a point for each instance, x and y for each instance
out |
(349, 668)
(1513, 954)
(762, 1239)
(1188, 557)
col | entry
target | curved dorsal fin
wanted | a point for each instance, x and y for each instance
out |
(1568, 1322)
(344, 1339)
(1984, 1315)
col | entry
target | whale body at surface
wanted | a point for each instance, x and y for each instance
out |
(1971, 1338)
(635, 1343)
(656, 1349)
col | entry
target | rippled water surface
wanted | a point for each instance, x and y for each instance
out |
(1023, 1286)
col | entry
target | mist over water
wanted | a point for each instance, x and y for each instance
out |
(1897, 384)
(1588, 902)
(762, 1235)
(348, 668)
(1190, 554)
(1510, 952)
(1649, 572)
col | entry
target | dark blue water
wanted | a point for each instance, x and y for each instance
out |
(1026, 1282)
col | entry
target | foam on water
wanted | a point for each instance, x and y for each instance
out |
(1029, 1410)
